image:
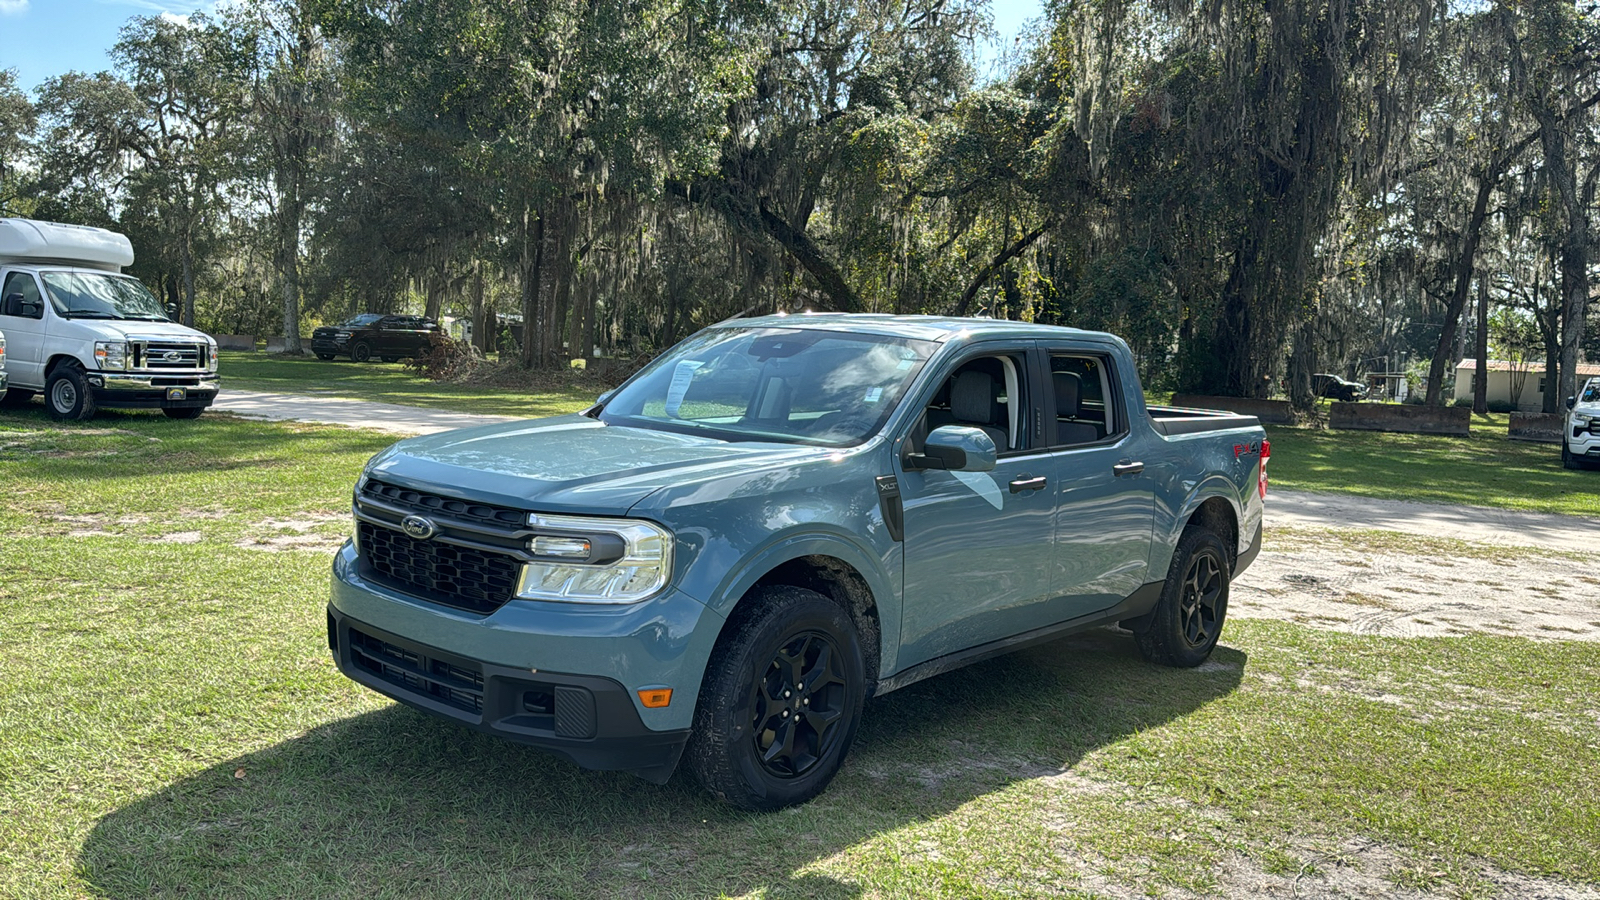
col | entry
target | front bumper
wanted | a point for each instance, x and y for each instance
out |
(563, 677)
(149, 389)
(329, 345)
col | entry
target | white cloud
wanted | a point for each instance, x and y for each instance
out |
(174, 18)
(13, 7)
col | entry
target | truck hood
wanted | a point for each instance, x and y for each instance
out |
(123, 329)
(571, 464)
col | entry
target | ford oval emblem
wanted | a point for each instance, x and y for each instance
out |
(418, 527)
(172, 356)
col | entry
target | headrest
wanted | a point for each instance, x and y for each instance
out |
(972, 398)
(1068, 391)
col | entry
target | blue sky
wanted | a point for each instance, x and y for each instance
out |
(42, 38)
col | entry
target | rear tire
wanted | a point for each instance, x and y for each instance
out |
(188, 412)
(66, 394)
(1183, 628)
(390, 359)
(361, 352)
(780, 702)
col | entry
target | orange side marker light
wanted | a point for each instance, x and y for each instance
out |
(655, 698)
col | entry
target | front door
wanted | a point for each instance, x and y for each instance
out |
(978, 545)
(25, 335)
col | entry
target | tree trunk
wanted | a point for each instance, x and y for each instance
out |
(1480, 384)
(530, 270)
(1461, 268)
(480, 336)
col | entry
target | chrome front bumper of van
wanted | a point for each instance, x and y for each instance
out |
(117, 381)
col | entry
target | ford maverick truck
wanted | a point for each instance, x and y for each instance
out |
(88, 336)
(777, 519)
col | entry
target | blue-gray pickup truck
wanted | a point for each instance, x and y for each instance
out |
(779, 518)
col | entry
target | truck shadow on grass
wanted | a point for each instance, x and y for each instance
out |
(394, 803)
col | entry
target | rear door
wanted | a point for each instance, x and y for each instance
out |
(978, 545)
(1105, 504)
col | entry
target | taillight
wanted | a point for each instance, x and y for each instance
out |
(1266, 453)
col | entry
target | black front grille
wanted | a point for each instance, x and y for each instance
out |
(422, 501)
(462, 577)
(460, 686)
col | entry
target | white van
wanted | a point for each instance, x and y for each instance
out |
(88, 336)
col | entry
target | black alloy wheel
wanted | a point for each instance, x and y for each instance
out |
(797, 705)
(1183, 628)
(360, 352)
(780, 700)
(1199, 609)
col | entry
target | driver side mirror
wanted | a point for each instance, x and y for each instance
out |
(955, 448)
(17, 305)
(1571, 402)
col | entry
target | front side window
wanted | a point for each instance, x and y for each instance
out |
(772, 384)
(20, 284)
(97, 295)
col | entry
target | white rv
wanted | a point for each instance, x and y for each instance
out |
(87, 336)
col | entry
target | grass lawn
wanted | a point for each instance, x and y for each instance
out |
(171, 725)
(391, 383)
(1484, 469)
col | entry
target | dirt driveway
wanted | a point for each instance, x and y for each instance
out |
(1330, 561)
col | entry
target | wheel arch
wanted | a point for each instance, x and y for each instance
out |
(59, 359)
(834, 568)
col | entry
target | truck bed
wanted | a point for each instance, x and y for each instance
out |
(1175, 420)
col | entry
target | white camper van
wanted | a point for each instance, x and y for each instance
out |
(88, 336)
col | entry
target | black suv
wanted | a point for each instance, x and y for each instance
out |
(1336, 388)
(387, 337)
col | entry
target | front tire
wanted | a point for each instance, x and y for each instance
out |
(361, 352)
(1567, 459)
(1187, 620)
(780, 702)
(66, 394)
(324, 356)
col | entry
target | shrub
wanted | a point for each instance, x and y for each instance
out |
(1501, 406)
(1462, 402)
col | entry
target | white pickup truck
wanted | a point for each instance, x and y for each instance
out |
(1580, 442)
(87, 336)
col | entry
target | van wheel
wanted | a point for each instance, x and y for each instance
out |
(781, 700)
(361, 352)
(66, 394)
(16, 396)
(186, 412)
(1183, 628)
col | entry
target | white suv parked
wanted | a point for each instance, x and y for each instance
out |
(1580, 441)
(88, 336)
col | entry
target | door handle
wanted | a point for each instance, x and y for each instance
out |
(1028, 484)
(1127, 468)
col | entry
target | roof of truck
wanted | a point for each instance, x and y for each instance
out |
(52, 242)
(925, 328)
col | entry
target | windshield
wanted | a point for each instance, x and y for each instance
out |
(1591, 391)
(772, 384)
(362, 320)
(96, 295)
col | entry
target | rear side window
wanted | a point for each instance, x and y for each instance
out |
(1086, 409)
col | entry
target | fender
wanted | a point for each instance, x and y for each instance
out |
(787, 546)
(1211, 486)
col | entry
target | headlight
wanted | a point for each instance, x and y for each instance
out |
(1581, 421)
(111, 354)
(340, 337)
(585, 560)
